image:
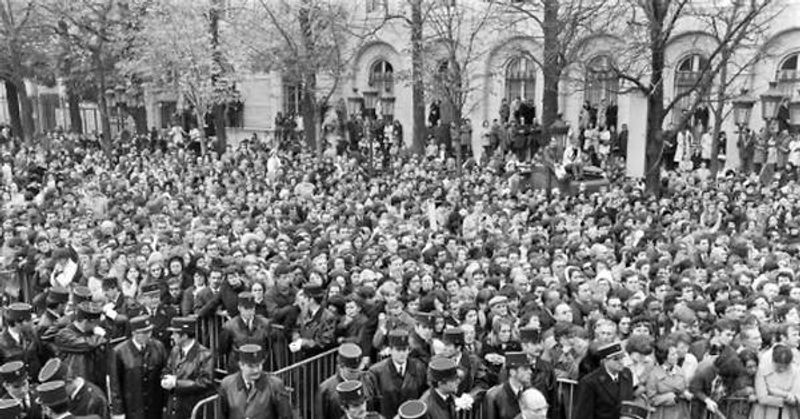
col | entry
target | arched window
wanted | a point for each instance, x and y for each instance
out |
(381, 76)
(688, 72)
(601, 81)
(520, 79)
(789, 70)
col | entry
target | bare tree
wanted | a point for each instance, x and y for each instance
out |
(656, 22)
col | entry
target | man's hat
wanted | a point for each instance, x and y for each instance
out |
(19, 312)
(610, 350)
(109, 283)
(13, 372)
(529, 334)
(81, 293)
(453, 336)
(141, 324)
(150, 289)
(351, 392)
(182, 324)
(498, 299)
(398, 338)
(90, 310)
(633, 410)
(425, 318)
(52, 370)
(442, 369)
(52, 393)
(413, 409)
(350, 355)
(246, 299)
(312, 290)
(516, 359)
(58, 295)
(251, 354)
(10, 409)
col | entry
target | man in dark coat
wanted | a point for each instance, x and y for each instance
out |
(472, 373)
(502, 400)
(440, 398)
(19, 342)
(160, 314)
(82, 345)
(14, 379)
(245, 328)
(188, 376)
(117, 310)
(398, 378)
(420, 338)
(279, 299)
(543, 376)
(136, 371)
(316, 328)
(353, 401)
(602, 391)
(252, 393)
(53, 396)
(85, 397)
(349, 368)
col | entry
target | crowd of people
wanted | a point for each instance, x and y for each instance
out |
(444, 290)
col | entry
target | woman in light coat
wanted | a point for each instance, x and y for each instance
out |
(667, 388)
(778, 389)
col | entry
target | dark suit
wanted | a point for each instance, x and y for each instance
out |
(392, 389)
(501, 402)
(235, 333)
(327, 402)
(269, 399)
(474, 379)
(135, 380)
(439, 408)
(126, 309)
(420, 349)
(194, 380)
(599, 397)
(84, 353)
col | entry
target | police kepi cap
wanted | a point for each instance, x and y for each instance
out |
(246, 299)
(81, 293)
(350, 355)
(633, 410)
(19, 312)
(351, 392)
(13, 372)
(609, 350)
(251, 354)
(442, 369)
(10, 409)
(412, 409)
(141, 324)
(52, 393)
(529, 334)
(453, 336)
(516, 359)
(398, 338)
(182, 324)
(52, 370)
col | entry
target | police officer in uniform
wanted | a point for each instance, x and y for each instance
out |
(440, 398)
(353, 401)
(82, 344)
(502, 400)
(246, 327)
(135, 373)
(349, 368)
(55, 402)
(602, 391)
(16, 387)
(160, 314)
(252, 393)
(412, 409)
(399, 377)
(117, 310)
(85, 397)
(19, 340)
(188, 376)
(420, 337)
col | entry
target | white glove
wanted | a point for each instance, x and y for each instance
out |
(99, 331)
(295, 346)
(117, 416)
(108, 310)
(467, 400)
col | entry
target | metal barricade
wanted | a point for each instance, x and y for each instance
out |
(734, 408)
(304, 378)
(565, 398)
(208, 408)
(208, 332)
(278, 354)
(477, 412)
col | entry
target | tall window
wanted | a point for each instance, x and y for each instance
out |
(520, 79)
(601, 81)
(381, 76)
(375, 5)
(292, 97)
(689, 71)
(789, 72)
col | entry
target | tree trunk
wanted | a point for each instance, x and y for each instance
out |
(26, 107)
(105, 123)
(552, 65)
(74, 103)
(219, 128)
(12, 100)
(417, 87)
(309, 111)
(139, 115)
(654, 140)
(218, 110)
(200, 118)
(719, 111)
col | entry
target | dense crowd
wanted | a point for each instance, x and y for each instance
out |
(445, 290)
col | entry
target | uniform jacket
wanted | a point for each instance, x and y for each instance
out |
(420, 349)
(84, 354)
(194, 375)
(269, 399)
(135, 380)
(439, 408)
(126, 308)
(501, 402)
(601, 398)
(28, 350)
(161, 319)
(392, 389)
(235, 333)
(89, 400)
(327, 402)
